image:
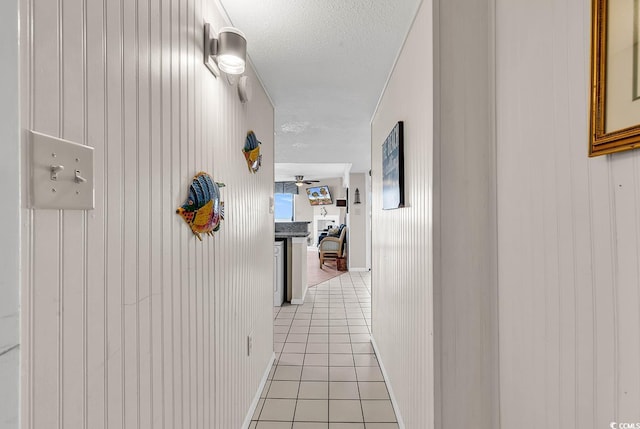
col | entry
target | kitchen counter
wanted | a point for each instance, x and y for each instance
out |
(285, 234)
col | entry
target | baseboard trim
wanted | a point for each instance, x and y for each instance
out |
(359, 270)
(256, 399)
(394, 402)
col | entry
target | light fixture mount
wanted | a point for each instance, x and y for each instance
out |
(227, 52)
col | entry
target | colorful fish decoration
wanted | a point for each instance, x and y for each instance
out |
(203, 210)
(251, 152)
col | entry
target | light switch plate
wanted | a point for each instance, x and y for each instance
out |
(61, 174)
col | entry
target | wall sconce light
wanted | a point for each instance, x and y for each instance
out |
(227, 53)
(356, 199)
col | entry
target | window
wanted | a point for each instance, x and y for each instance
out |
(283, 207)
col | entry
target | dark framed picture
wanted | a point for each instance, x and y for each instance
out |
(615, 77)
(393, 169)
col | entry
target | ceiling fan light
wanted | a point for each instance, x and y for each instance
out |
(299, 184)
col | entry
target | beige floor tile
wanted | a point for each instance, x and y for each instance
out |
(341, 360)
(318, 348)
(314, 390)
(294, 348)
(309, 425)
(253, 425)
(373, 390)
(318, 330)
(343, 390)
(365, 360)
(369, 373)
(314, 359)
(362, 348)
(315, 373)
(345, 411)
(318, 338)
(277, 347)
(340, 348)
(337, 373)
(287, 373)
(283, 389)
(291, 359)
(312, 410)
(382, 425)
(273, 425)
(339, 338)
(280, 329)
(299, 330)
(338, 330)
(357, 330)
(297, 338)
(355, 338)
(278, 409)
(378, 411)
(346, 426)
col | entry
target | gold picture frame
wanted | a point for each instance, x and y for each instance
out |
(615, 77)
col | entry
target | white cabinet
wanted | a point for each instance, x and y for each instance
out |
(278, 273)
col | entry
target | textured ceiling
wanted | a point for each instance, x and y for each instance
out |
(324, 63)
(285, 172)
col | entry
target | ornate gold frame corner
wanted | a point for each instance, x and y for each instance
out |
(601, 142)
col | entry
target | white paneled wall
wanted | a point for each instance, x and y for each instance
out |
(357, 223)
(402, 240)
(434, 273)
(128, 320)
(9, 217)
(569, 229)
(464, 205)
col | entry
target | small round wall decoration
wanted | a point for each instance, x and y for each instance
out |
(244, 89)
(251, 152)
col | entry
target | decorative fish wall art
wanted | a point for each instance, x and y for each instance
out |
(203, 211)
(251, 152)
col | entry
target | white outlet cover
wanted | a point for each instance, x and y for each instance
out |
(72, 186)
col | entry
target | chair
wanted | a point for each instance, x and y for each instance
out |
(332, 247)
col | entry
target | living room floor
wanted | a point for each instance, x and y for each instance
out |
(326, 374)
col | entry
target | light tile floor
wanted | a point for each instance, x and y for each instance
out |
(325, 375)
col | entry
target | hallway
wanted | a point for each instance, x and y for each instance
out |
(325, 374)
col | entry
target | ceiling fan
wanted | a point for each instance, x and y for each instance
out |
(300, 181)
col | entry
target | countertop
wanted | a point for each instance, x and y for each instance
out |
(288, 234)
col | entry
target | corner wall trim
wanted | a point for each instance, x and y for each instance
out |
(296, 301)
(392, 395)
(256, 398)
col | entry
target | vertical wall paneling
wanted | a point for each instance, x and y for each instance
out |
(130, 321)
(568, 232)
(434, 273)
(11, 346)
(464, 201)
(402, 260)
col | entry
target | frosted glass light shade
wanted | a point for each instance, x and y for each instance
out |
(232, 50)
